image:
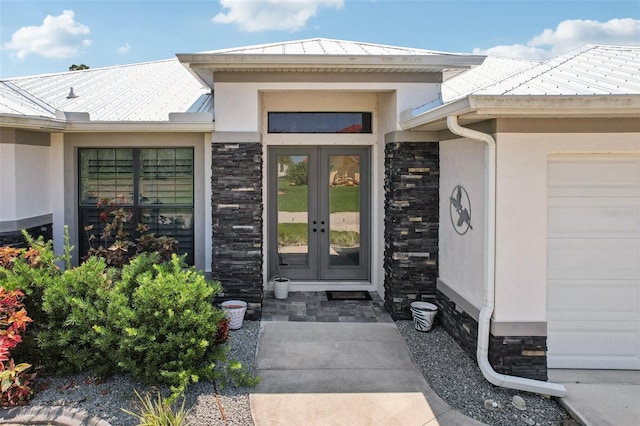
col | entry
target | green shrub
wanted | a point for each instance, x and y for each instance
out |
(169, 324)
(76, 303)
(156, 321)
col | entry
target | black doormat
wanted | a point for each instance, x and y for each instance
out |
(348, 295)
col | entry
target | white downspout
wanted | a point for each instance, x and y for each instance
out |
(488, 303)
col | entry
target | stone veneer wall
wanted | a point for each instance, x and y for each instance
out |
(522, 356)
(411, 224)
(237, 206)
(16, 239)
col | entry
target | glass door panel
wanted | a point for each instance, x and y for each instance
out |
(293, 210)
(319, 213)
(344, 205)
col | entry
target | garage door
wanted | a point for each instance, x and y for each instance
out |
(593, 265)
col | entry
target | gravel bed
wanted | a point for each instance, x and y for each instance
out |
(106, 399)
(457, 379)
(448, 370)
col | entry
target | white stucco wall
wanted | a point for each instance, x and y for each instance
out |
(521, 264)
(462, 162)
(521, 216)
(32, 174)
(8, 187)
(25, 175)
(237, 105)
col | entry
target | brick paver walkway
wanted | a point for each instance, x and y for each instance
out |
(313, 306)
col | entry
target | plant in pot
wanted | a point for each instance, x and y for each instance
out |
(280, 283)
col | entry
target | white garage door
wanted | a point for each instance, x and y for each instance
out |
(593, 265)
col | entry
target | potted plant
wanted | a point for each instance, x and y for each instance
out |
(280, 283)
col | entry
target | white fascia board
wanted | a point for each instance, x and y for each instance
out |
(203, 65)
(222, 61)
(557, 105)
(459, 107)
(494, 106)
(32, 123)
(140, 126)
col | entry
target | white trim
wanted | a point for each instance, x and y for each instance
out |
(139, 126)
(480, 107)
(27, 222)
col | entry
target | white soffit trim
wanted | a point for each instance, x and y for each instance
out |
(476, 108)
(140, 126)
(32, 123)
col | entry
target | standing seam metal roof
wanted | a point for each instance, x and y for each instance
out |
(592, 70)
(325, 46)
(139, 92)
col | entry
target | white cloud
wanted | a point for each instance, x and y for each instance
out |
(58, 37)
(124, 49)
(569, 35)
(265, 15)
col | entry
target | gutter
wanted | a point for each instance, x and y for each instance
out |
(488, 303)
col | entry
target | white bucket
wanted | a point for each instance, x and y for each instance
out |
(281, 288)
(423, 315)
(234, 310)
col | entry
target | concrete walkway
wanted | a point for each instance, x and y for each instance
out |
(600, 397)
(339, 373)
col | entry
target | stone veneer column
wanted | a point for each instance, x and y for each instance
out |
(411, 224)
(236, 187)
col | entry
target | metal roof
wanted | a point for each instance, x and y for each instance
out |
(150, 91)
(14, 101)
(323, 55)
(592, 70)
(594, 81)
(139, 92)
(493, 69)
(324, 46)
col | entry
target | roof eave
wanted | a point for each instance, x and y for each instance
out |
(476, 108)
(31, 122)
(57, 125)
(140, 126)
(368, 61)
(203, 65)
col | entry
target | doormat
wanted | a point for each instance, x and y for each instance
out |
(348, 295)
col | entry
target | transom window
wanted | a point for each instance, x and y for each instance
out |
(153, 185)
(319, 122)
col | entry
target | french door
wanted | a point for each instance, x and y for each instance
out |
(319, 213)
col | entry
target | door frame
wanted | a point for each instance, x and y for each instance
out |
(321, 271)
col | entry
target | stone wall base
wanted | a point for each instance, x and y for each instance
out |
(521, 356)
(16, 239)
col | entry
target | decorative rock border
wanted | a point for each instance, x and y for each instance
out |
(56, 416)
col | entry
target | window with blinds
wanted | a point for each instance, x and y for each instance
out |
(154, 186)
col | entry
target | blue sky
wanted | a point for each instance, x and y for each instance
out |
(49, 35)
